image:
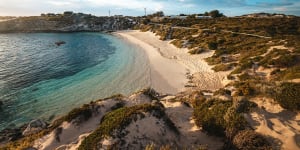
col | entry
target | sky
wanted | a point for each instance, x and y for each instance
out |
(136, 7)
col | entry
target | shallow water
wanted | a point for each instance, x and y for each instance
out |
(41, 80)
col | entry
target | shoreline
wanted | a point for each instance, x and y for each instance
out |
(166, 76)
(170, 66)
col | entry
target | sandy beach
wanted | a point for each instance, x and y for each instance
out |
(170, 65)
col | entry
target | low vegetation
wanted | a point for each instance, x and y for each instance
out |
(84, 113)
(248, 139)
(288, 96)
(118, 119)
(225, 119)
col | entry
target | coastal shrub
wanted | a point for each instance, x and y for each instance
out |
(119, 119)
(212, 45)
(116, 97)
(250, 140)
(210, 116)
(151, 93)
(245, 76)
(234, 122)
(84, 111)
(118, 105)
(222, 67)
(220, 118)
(276, 71)
(197, 51)
(194, 98)
(244, 89)
(268, 59)
(177, 43)
(237, 70)
(222, 91)
(242, 105)
(288, 96)
(213, 60)
(284, 61)
(246, 64)
(289, 73)
(26, 142)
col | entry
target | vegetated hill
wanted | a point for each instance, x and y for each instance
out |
(259, 52)
(67, 22)
(263, 56)
(146, 121)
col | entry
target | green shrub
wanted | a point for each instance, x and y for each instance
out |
(197, 51)
(237, 70)
(250, 140)
(242, 105)
(222, 67)
(212, 45)
(177, 43)
(85, 111)
(119, 119)
(222, 91)
(210, 116)
(284, 61)
(288, 74)
(245, 89)
(244, 77)
(288, 96)
(213, 60)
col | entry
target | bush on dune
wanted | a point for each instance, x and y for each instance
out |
(250, 140)
(288, 96)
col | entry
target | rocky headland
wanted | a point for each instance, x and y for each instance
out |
(66, 22)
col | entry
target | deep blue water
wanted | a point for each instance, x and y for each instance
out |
(39, 79)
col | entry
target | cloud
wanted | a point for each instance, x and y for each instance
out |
(59, 3)
(136, 7)
(264, 4)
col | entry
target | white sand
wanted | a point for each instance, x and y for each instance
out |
(72, 135)
(281, 125)
(167, 76)
(191, 135)
(169, 64)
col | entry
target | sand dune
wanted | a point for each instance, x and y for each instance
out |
(280, 125)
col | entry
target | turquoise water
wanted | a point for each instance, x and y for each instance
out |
(41, 80)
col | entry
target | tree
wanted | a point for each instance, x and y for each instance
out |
(158, 14)
(215, 14)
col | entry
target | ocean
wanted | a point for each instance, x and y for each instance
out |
(40, 80)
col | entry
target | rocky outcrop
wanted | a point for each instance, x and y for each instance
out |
(34, 126)
(66, 23)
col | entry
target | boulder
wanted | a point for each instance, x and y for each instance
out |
(34, 126)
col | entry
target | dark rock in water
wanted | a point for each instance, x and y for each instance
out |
(34, 126)
(1, 103)
(58, 43)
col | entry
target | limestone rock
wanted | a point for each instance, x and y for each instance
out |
(34, 126)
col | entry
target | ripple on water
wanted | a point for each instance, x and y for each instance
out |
(41, 80)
